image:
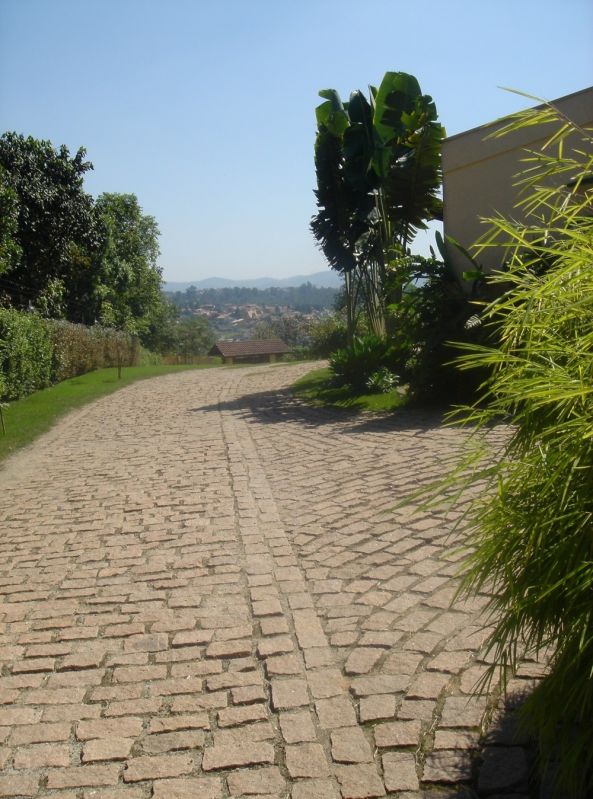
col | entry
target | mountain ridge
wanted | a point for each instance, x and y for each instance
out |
(326, 279)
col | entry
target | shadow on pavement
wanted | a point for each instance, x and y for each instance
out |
(280, 406)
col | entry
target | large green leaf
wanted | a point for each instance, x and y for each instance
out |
(396, 95)
(359, 144)
(332, 114)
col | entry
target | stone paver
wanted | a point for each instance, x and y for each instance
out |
(205, 590)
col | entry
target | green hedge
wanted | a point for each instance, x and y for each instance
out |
(37, 352)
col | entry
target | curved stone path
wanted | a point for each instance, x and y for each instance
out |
(205, 592)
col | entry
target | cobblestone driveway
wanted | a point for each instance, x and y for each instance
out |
(205, 593)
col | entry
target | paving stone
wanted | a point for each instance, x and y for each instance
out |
(447, 767)
(170, 687)
(362, 659)
(71, 712)
(267, 607)
(456, 739)
(399, 769)
(297, 727)
(315, 789)
(80, 776)
(379, 684)
(196, 702)
(428, 685)
(289, 693)
(106, 749)
(422, 709)
(359, 782)
(379, 706)
(192, 637)
(19, 785)
(349, 745)
(248, 694)
(335, 712)
(308, 629)
(273, 626)
(124, 792)
(306, 760)
(232, 680)
(462, 711)
(256, 781)
(172, 741)
(191, 721)
(139, 673)
(397, 733)
(157, 767)
(146, 643)
(10, 716)
(260, 731)
(109, 728)
(240, 754)
(40, 733)
(233, 716)
(203, 788)
(282, 664)
(326, 682)
(228, 649)
(274, 646)
(319, 657)
(41, 756)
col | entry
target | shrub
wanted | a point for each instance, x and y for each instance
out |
(36, 352)
(382, 381)
(433, 312)
(531, 541)
(78, 349)
(352, 366)
(327, 336)
(25, 353)
(145, 357)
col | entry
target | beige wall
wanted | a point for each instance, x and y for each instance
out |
(478, 175)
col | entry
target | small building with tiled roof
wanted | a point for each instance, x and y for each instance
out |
(254, 350)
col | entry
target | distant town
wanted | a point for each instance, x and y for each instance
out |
(241, 312)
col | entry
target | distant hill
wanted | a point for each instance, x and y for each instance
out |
(326, 279)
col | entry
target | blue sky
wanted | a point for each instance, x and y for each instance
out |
(206, 110)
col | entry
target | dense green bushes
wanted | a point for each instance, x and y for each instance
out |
(36, 352)
(354, 365)
(434, 310)
(25, 353)
(327, 335)
(78, 349)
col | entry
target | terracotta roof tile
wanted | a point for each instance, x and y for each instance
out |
(235, 349)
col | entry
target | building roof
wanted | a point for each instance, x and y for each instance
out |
(236, 349)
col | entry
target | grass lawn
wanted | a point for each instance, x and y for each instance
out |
(27, 418)
(316, 389)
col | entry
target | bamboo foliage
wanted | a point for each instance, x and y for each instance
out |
(531, 535)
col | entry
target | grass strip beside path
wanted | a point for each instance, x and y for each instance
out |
(316, 388)
(27, 418)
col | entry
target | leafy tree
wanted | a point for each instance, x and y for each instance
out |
(55, 220)
(292, 330)
(327, 335)
(9, 249)
(129, 288)
(193, 336)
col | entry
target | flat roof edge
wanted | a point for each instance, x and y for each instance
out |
(507, 116)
